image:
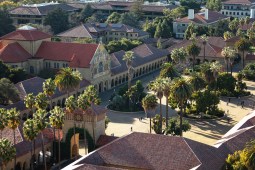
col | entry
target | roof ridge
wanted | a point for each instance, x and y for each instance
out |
(191, 150)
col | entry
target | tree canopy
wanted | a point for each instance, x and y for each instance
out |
(129, 18)
(113, 18)
(214, 5)
(8, 92)
(5, 23)
(58, 20)
(123, 44)
(86, 13)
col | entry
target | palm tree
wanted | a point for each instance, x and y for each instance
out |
(157, 87)
(129, 57)
(29, 101)
(41, 121)
(215, 67)
(247, 20)
(243, 45)
(207, 72)
(71, 105)
(149, 103)
(178, 55)
(227, 52)
(57, 121)
(49, 89)
(41, 101)
(7, 152)
(182, 91)
(193, 50)
(166, 91)
(67, 80)
(227, 35)
(3, 120)
(30, 132)
(13, 119)
(169, 70)
(232, 61)
(204, 39)
(242, 22)
(197, 81)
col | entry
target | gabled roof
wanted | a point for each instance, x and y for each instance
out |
(144, 151)
(243, 2)
(40, 9)
(199, 18)
(26, 35)
(14, 53)
(89, 29)
(34, 85)
(213, 46)
(142, 54)
(79, 55)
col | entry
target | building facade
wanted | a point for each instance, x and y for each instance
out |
(102, 32)
(199, 19)
(239, 9)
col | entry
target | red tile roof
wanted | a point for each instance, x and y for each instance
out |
(79, 55)
(213, 46)
(26, 35)
(246, 2)
(14, 53)
(250, 57)
(199, 18)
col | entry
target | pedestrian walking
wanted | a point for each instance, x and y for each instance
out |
(229, 99)
(131, 128)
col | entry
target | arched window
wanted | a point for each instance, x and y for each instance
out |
(100, 67)
(32, 70)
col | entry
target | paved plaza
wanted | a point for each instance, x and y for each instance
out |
(205, 131)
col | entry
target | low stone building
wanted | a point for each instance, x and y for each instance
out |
(102, 32)
(205, 18)
(36, 13)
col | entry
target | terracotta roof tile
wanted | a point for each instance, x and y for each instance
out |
(104, 139)
(26, 35)
(200, 18)
(143, 54)
(247, 2)
(79, 55)
(14, 53)
(250, 57)
(144, 151)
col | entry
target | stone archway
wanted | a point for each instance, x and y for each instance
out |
(63, 102)
(112, 83)
(105, 85)
(101, 87)
(59, 103)
(24, 166)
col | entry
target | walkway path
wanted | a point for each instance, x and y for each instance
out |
(206, 131)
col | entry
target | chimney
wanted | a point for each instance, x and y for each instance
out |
(191, 14)
(206, 14)
(252, 13)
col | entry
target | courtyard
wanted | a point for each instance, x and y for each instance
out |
(205, 131)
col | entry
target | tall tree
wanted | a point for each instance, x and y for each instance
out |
(166, 91)
(204, 39)
(86, 12)
(193, 50)
(58, 20)
(41, 101)
(8, 92)
(149, 103)
(197, 82)
(57, 121)
(227, 35)
(13, 118)
(5, 23)
(157, 87)
(129, 18)
(41, 121)
(227, 52)
(215, 67)
(178, 55)
(113, 18)
(129, 57)
(49, 89)
(29, 101)
(243, 45)
(137, 9)
(71, 105)
(3, 120)
(189, 31)
(68, 80)
(169, 70)
(7, 152)
(182, 91)
(30, 131)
